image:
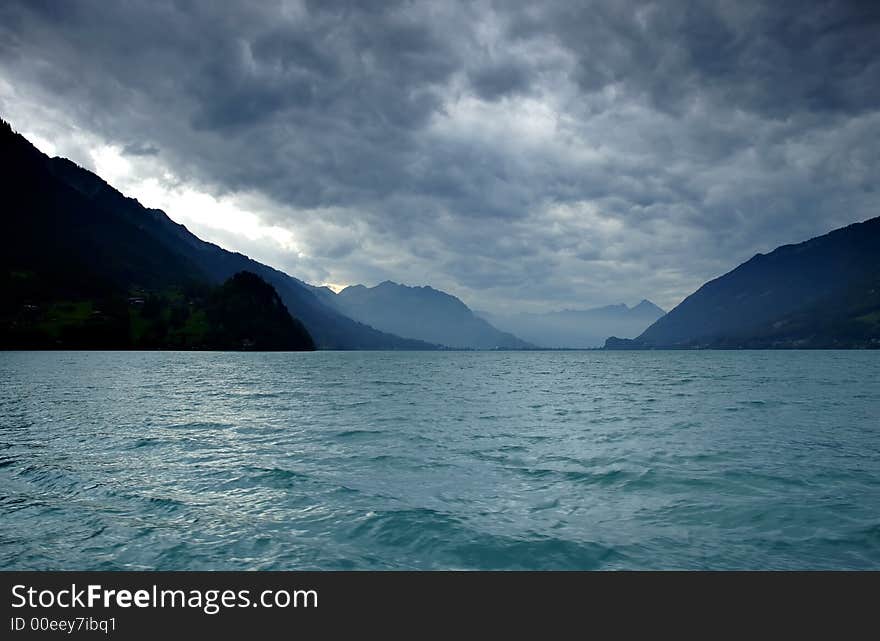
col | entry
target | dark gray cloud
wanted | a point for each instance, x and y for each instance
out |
(542, 155)
(139, 149)
(498, 79)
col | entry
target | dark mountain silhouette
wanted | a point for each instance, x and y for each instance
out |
(424, 313)
(71, 238)
(246, 311)
(572, 328)
(822, 293)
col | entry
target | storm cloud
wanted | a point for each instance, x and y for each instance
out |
(526, 155)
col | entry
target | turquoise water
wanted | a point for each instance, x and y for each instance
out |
(401, 460)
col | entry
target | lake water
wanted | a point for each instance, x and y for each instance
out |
(445, 460)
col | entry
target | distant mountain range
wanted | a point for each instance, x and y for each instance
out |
(422, 313)
(822, 293)
(84, 266)
(74, 246)
(572, 328)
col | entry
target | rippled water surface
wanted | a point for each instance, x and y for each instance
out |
(388, 460)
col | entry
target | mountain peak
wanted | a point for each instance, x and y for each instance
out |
(352, 288)
(424, 313)
(647, 306)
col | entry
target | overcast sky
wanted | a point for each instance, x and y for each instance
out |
(534, 155)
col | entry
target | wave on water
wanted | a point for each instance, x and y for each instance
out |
(176, 461)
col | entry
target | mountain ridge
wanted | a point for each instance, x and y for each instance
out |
(823, 292)
(425, 313)
(86, 237)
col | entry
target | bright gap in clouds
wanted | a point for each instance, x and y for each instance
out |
(185, 204)
(218, 220)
